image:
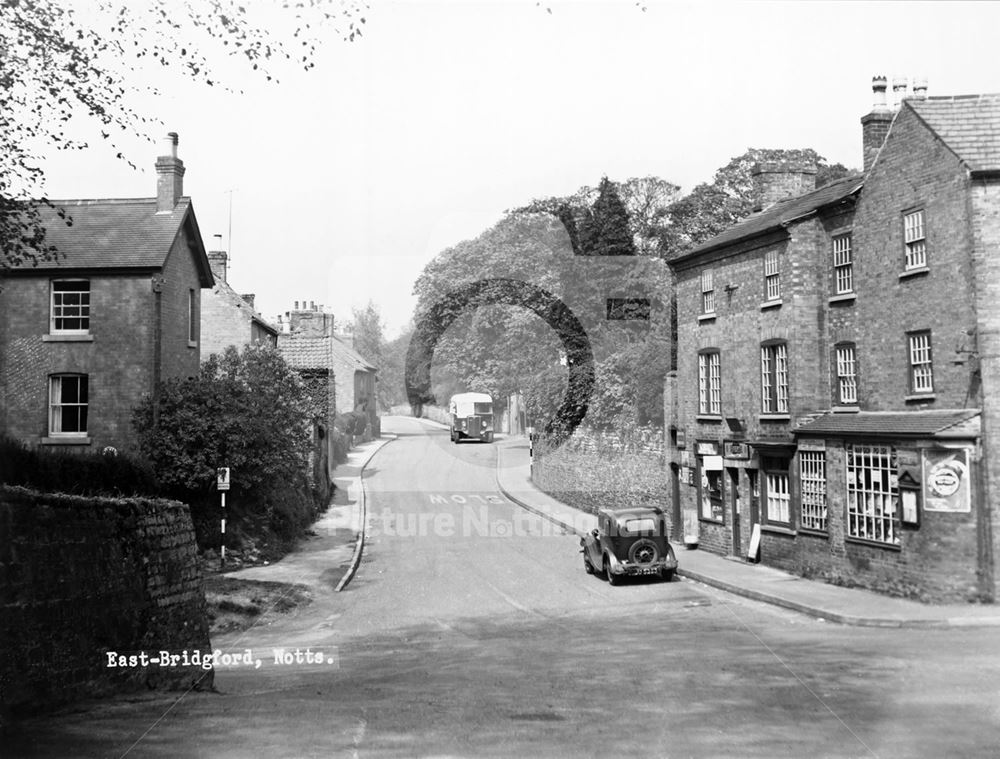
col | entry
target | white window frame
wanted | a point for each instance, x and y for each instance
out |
(915, 240)
(774, 378)
(812, 484)
(709, 383)
(921, 362)
(872, 493)
(58, 309)
(843, 263)
(847, 374)
(57, 405)
(777, 494)
(772, 275)
(707, 292)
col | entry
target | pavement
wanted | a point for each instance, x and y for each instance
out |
(849, 606)
(329, 558)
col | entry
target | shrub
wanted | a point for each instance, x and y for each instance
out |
(78, 473)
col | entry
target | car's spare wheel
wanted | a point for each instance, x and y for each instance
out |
(643, 552)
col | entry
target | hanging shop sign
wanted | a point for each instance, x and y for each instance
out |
(946, 480)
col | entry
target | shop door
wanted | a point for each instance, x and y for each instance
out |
(734, 507)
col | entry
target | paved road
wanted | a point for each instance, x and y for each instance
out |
(472, 630)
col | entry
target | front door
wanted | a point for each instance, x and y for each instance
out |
(734, 507)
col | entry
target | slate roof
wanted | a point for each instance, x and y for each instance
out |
(968, 124)
(938, 422)
(236, 301)
(352, 356)
(122, 233)
(780, 214)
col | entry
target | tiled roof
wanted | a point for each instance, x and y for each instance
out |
(317, 351)
(895, 423)
(780, 214)
(305, 351)
(968, 124)
(115, 234)
(236, 300)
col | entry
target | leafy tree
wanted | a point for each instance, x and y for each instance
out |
(710, 208)
(57, 65)
(391, 386)
(246, 410)
(369, 339)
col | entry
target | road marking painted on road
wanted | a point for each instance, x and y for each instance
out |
(460, 498)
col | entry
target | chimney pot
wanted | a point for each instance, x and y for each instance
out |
(875, 125)
(899, 86)
(879, 85)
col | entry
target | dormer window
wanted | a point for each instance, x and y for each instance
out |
(70, 307)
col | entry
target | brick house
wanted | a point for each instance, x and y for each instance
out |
(84, 338)
(310, 331)
(838, 354)
(228, 317)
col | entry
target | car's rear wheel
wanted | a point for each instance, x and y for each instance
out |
(613, 579)
(587, 566)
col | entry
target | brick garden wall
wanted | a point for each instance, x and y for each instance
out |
(82, 576)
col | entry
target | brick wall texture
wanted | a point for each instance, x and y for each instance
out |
(82, 576)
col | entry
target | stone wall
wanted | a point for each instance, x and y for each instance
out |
(593, 470)
(80, 577)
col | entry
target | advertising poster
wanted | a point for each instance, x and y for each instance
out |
(946, 480)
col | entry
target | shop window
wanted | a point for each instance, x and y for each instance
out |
(812, 478)
(872, 493)
(711, 488)
(776, 491)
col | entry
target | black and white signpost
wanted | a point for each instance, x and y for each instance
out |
(222, 482)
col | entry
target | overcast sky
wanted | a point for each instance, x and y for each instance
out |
(347, 179)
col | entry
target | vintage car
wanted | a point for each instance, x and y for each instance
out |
(629, 542)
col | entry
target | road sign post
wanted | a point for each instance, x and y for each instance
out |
(222, 483)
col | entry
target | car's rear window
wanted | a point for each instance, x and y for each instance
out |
(640, 525)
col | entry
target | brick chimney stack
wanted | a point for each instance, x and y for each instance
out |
(779, 180)
(919, 88)
(169, 176)
(875, 125)
(217, 260)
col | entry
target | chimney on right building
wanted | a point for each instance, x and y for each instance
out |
(875, 125)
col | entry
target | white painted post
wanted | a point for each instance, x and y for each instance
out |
(222, 561)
